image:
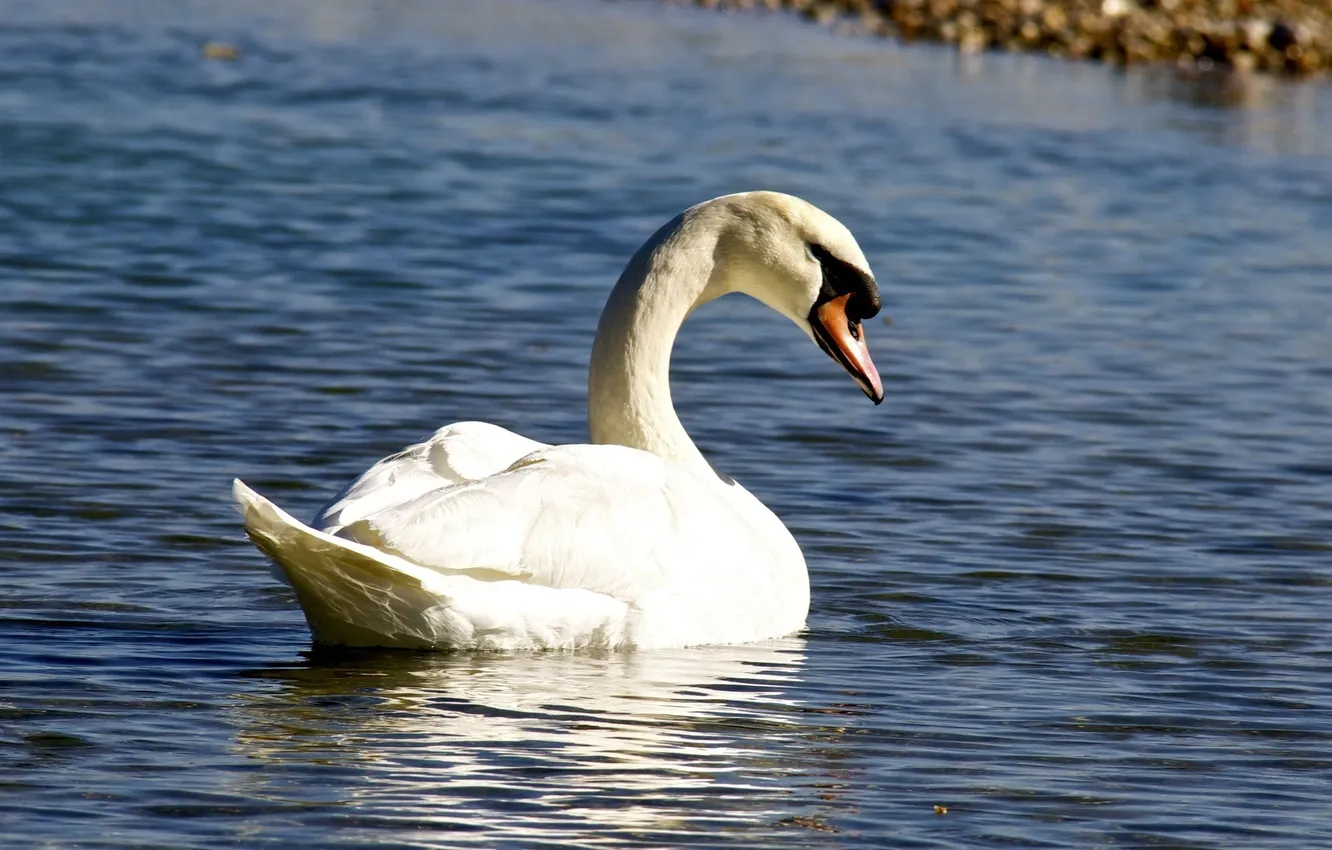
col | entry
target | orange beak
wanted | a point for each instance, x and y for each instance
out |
(844, 341)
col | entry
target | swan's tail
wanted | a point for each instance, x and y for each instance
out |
(352, 595)
(356, 595)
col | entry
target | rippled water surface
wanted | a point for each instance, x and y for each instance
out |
(1072, 581)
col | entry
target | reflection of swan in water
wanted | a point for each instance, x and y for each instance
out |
(535, 745)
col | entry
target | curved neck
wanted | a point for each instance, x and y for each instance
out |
(629, 393)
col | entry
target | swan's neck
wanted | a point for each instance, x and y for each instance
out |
(629, 392)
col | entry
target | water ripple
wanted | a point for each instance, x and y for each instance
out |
(1070, 580)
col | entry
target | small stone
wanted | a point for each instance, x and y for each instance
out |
(1281, 37)
(1115, 8)
(972, 41)
(941, 810)
(1256, 32)
(1079, 46)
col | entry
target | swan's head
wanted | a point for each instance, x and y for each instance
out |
(804, 264)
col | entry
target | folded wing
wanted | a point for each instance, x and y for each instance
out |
(456, 454)
(606, 519)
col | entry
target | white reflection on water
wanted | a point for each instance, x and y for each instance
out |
(638, 740)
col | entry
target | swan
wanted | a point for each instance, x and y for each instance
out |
(482, 539)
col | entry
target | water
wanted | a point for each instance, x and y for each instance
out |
(1071, 581)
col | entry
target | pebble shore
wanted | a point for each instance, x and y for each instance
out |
(1283, 36)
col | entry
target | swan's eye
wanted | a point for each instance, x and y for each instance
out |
(809, 252)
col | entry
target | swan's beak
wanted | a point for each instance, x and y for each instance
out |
(844, 341)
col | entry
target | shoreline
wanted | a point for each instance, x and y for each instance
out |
(1287, 37)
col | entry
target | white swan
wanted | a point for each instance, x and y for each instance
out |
(479, 538)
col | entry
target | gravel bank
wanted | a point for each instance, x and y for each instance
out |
(1282, 36)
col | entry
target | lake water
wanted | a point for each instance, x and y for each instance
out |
(1072, 580)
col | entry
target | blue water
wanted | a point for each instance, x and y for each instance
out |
(1072, 580)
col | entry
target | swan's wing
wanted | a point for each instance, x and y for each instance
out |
(456, 454)
(603, 518)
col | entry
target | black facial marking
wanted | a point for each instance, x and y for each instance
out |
(839, 278)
